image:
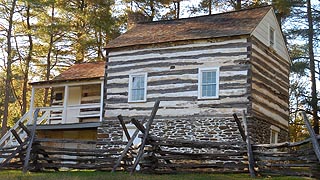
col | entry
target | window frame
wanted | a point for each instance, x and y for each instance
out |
(131, 76)
(272, 40)
(274, 130)
(200, 70)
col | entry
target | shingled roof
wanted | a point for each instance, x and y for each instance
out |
(83, 71)
(233, 23)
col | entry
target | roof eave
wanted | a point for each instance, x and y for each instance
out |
(53, 82)
(177, 41)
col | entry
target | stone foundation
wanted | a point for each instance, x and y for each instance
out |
(109, 133)
(203, 129)
(260, 131)
(283, 135)
(195, 128)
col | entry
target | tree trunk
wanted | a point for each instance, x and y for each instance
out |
(81, 25)
(314, 100)
(238, 5)
(210, 7)
(27, 64)
(48, 65)
(9, 71)
(153, 10)
(178, 9)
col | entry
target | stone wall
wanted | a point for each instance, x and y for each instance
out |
(260, 131)
(283, 135)
(203, 129)
(109, 135)
(194, 128)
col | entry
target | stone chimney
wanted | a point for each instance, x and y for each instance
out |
(136, 17)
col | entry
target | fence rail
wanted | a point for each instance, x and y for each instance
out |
(160, 155)
(298, 159)
(67, 153)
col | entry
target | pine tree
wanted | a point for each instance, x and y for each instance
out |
(8, 91)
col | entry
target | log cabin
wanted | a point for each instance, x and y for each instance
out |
(202, 69)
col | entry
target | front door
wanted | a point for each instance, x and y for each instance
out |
(74, 99)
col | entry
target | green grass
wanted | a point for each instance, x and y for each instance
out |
(91, 175)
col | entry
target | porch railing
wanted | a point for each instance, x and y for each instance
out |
(57, 115)
(51, 115)
(8, 139)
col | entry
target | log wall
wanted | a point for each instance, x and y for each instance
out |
(82, 134)
(269, 87)
(261, 32)
(90, 94)
(173, 79)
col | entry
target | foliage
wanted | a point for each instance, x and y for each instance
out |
(301, 51)
(47, 36)
(149, 8)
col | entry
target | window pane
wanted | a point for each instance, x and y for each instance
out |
(137, 82)
(213, 76)
(137, 88)
(133, 94)
(140, 94)
(271, 36)
(204, 90)
(209, 77)
(204, 77)
(273, 137)
(134, 82)
(209, 90)
(209, 83)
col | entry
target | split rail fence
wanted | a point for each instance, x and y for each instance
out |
(160, 155)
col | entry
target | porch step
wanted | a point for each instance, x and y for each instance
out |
(9, 139)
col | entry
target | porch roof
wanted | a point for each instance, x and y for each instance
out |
(78, 72)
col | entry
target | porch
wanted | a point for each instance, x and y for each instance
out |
(71, 102)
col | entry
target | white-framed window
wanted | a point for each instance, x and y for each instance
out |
(137, 87)
(271, 36)
(208, 83)
(274, 133)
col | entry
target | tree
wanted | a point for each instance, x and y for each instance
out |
(27, 60)
(90, 26)
(8, 92)
(302, 37)
(39, 37)
(151, 8)
(206, 6)
(314, 99)
(50, 32)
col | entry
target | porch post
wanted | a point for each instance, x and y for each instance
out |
(65, 104)
(33, 91)
(101, 100)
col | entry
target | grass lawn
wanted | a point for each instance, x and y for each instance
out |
(91, 175)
